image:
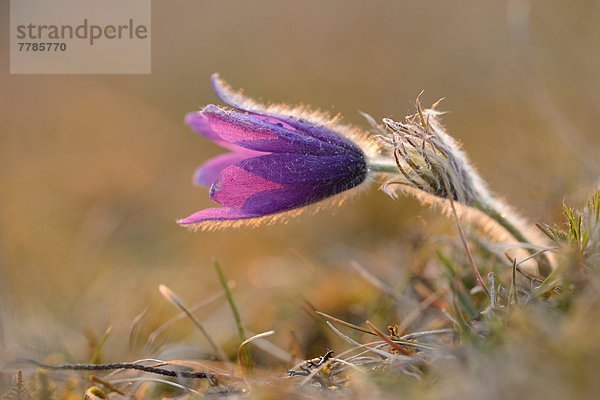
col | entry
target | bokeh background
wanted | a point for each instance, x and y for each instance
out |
(94, 170)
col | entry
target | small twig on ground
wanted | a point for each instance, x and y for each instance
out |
(400, 349)
(116, 366)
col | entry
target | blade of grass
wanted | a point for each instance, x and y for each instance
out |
(512, 295)
(416, 312)
(456, 284)
(272, 349)
(549, 283)
(157, 380)
(464, 329)
(344, 337)
(416, 335)
(174, 299)
(468, 251)
(400, 349)
(368, 276)
(241, 353)
(244, 356)
(98, 351)
(135, 328)
(230, 300)
(107, 384)
(182, 315)
(347, 324)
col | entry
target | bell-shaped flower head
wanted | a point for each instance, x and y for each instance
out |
(280, 160)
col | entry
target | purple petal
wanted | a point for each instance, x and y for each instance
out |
(216, 214)
(294, 169)
(279, 182)
(321, 133)
(255, 132)
(235, 99)
(234, 186)
(207, 173)
(200, 125)
(284, 199)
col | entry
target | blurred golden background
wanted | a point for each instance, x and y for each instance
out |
(94, 170)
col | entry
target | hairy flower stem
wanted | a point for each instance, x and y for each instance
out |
(380, 165)
(544, 266)
(491, 211)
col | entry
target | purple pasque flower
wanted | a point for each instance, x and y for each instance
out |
(280, 160)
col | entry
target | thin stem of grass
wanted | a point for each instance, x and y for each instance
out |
(179, 317)
(468, 251)
(416, 335)
(244, 357)
(242, 348)
(98, 350)
(347, 324)
(416, 313)
(173, 298)
(107, 384)
(492, 279)
(134, 331)
(379, 284)
(396, 346)
(162, 381)
(512, 295)
(544, 265)
(234, 310)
